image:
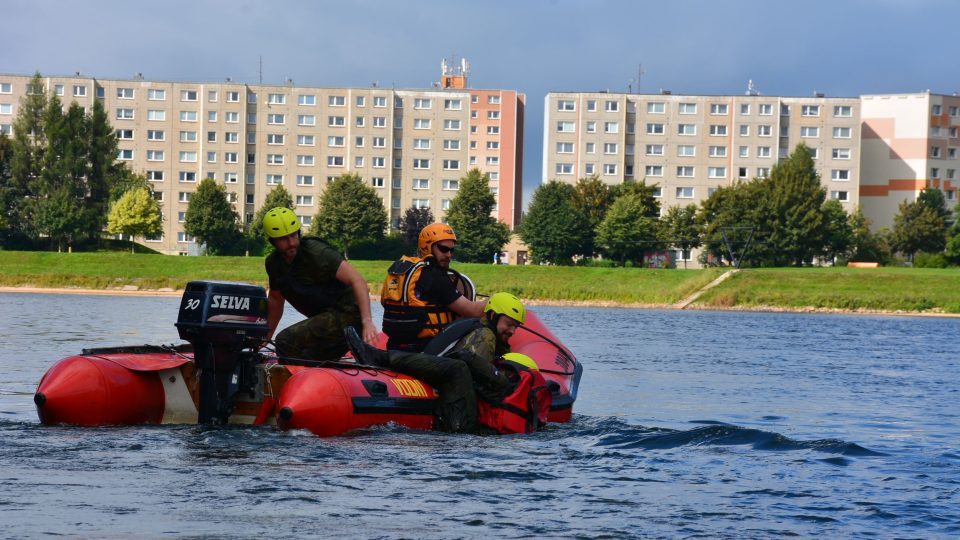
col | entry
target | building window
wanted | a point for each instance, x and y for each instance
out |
(841, 133)
(688, 108)
(763, 172)
(841, 153)
(379, 101)
(609, 148)
(230, 157)
(566, 105)
(451, 125)
(611, 106)
(843, 111)
(188, 157)
(419, 163)
(809, 131)
(335, 141)
(304, 200)
(655, 129)
(611, 127)
(566, 127)
(188, 176)
(493, 100)
(336, 121)
(124, 114)
(841, 196)
(656, 107)
(686, 150)
(685, 171)
(78, 91)
(744, 151)
(334, 161)
(274, 179)
(305, 161)
(766, 109)
(304, 179)
(718, 108)
(336, 101)
(810, 110)
(684, 192)
(654, 150)
(188, 136)
(122, 134)
(564, 168)
(564, 147)
(763, 151)
(274, 159)
(716, 172)
(188, 116)
(124, 93)
(451, 164)
(154, 155)
(421, 183)
(377, 182)
(306, 140)
(125, 154)
(451, 185)
(717, 130)
(609, 169)
(360, 121)
(764, 130)
(276, 119)
(654, 170)
(840, 174)
(275, 138)
(718, 151)
(188, 95)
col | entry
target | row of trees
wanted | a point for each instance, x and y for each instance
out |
(59, 173)
(350, 212)
(785, 217)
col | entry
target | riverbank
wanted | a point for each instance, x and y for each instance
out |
(934, 292)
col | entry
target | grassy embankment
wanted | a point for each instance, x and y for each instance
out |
(883, 289)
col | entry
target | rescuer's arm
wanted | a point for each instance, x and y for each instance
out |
(348, 275)
(274, 311)
(465, 308)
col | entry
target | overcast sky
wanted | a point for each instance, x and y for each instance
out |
(839, 47)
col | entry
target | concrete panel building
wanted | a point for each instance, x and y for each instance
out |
(411, 146)
(910, 143)
(691, 145)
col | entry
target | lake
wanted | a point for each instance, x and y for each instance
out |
(687, 424)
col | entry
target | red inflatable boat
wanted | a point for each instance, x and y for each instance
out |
(219, 378)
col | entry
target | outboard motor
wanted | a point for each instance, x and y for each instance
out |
(221, 319)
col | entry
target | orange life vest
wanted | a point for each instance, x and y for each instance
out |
(407, 318)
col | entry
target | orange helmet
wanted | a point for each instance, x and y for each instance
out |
(432, 234)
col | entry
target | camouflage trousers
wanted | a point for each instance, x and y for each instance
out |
(319, 337)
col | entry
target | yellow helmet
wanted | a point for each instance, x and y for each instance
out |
(522, 359)
(279, 222)
(507, 304)
(432, 234)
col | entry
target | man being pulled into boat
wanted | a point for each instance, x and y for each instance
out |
(422, 295)
(461, 366)
(320, 284)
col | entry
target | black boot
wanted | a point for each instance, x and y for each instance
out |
(363, 353)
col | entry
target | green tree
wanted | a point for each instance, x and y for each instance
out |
(211, 219)
(29, 143)
(591, 199)
(865, 246)
(933, 198)
(791, 205)
(135, 213)
(350, 211)
(917, 227)
(680, 229)
(730, 211)
(414, 220)
(553, 227)
(839, 231)
(646, 193)
(6, 154)
(479, 235)
(627, 231)
(278, 197)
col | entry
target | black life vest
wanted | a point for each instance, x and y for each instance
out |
(445, 341)
(309, 299)
(524, 410)
(408, 318)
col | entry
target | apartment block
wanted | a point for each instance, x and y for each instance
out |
(411, 146)
(910, 143)
(691, 145)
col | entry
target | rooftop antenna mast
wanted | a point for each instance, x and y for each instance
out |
(640, 73)
(261, 69)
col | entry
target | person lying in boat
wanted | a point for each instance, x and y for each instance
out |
(422, 295)
(320, 284)
(459, 362)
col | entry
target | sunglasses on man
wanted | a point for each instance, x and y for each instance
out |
(445, 249)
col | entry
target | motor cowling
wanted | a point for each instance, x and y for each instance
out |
(221, 319)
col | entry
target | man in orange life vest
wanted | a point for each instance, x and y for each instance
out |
(459, 362)
(422, 295)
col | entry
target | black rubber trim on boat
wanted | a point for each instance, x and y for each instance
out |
(389, 405)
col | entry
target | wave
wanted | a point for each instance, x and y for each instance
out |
(624, 436)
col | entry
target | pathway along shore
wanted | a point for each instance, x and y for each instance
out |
(683, 304)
